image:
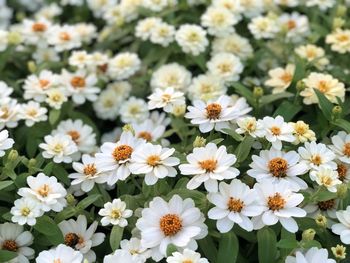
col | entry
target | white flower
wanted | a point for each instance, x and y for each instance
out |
(322, 4)
(273, 166)
(13, 239)
(234, 44)
(86, 174)
(145, 27)
(226, 66)
(233, 204)
(280, 78)
(4, 40)
(312, 255)
(60, 254)
(56, 97)
(341, 146)
(250, 126)
(313, 54)
(120, 256)
(176, 222)
(63, 37)
(215, 114)
(162, 34)
(280, 204)
(326, 177)
(80, 85)
(32, 113)
(326, 84)
(154, 161)
(9, 113)
(46, 191)
(134, 247)
(209, 165)
(78, 236)
(123, 65)
(339, 40)
(25, 211)
(80, 59)
(134, 110)
(302, 132)
(343, 228)
(295, 25)
(263, 27)
(277, 131)
(5, 90)
(82, 134)
(148, 130)
(165, 99)
(317, 155)
(219, 21)
(192, 39)
(115, 157)
(60, 147)
(5, 142)
(186, 256)
(36, 32)
(115, 213)
(206, 87)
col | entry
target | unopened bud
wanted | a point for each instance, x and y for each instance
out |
(14, 38)
(342, 191)
(70, 199)
(339, 252)
(337, 110)
(32, 66)
(338, 22)
(179, 110)
(300, 85)
(13, 155)
(308, 234)
(321, 221)
(199, 142)
(128, 128)
(341, 10)
(32, 163)
(258, 92)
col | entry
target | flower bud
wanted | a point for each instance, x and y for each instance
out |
(13, 155)
(199, 142)
(342, 191)
(308, 234)
(32, 66)
(336, 111)
(14, 38)
(338, 22)
(321, 221)
(300, 85)
(128, 128)
(70, 199)
(179, 110)
(258, 92)
(341, 10)
(31, 163)
(339, 252)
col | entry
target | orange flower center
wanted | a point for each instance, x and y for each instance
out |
(145, 135)
(78, 82)
(235, 205)
(64, 36)
(276, 202)
(122, 152)
(213, 111)
(71, 240)
(153, 160)
(326, 205)
(57, 260)
(323, 86)
(43, 83)
(342, 171)
(346, 149)
(316, 159)
(44, 190)
(170, 224)
(278, 167)
(208, 165)
(90, 169)
(275, 130)
(286, 77)
(291, 24)
(39, 27)
(75, 135)
(342, 38)
(10, 245)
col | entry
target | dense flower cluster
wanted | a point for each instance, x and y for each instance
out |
(179, 131)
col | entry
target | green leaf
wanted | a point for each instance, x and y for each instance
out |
(228, 248)
(287, 110)
(54, 116)
(324, 196)
(287, 243)
(311, 243)
(245, 92)
(171, 249)
(5, 184)
(267, 249)
(6, 256)
(48, 227)
(208, 247)
(237, 137)
(61, 174)
(116, 237)
(217, 141)
(325, 105)
(267, 99)
(88, 201)
(345, 125)
(243, 148)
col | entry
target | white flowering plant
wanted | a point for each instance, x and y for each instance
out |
(179, 131)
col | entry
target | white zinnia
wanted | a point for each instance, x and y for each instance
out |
(115, 213)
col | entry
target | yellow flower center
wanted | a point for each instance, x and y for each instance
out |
(235, 205)
(213, 111)
(44, 190)
(316, 159)
(122, 152)
(346, 149)
(90, 169)
(323, 86)
(25, 211)
(275, 130)
(44, 83)
(276, 202)
(278, 167)
(170, 224)
(208, 165)
(153, 160)
(286, 77)
(115, 214)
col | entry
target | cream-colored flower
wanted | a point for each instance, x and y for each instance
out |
(313, 54)
(280, 78)
(302, 132)
(339, 40)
